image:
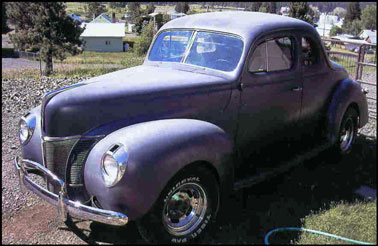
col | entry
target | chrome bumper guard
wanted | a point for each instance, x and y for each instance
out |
(64, 205)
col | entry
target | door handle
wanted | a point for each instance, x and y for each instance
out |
(296, 89)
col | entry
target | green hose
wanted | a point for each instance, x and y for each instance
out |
(315, 232)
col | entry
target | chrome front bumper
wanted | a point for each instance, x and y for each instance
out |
(64, 205)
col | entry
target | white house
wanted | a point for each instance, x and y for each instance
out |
(285, 11)
(369, 36)
(326, 22)
(103, 37)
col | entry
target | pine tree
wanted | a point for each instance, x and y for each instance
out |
(150, 8)
(272, 7)
(353, 15)
(369, 17)
(302, 11)
(94, 10)
(255, 6)
(45, 26)
(353, 12)
(133, 11)
(182, 7)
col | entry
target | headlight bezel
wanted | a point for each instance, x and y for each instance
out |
(30, 121)
(120, 155)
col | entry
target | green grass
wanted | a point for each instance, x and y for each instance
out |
(82, 65)
(126, 59)
(75, 8)
(130, 38)
(350, 65)
(356, 221)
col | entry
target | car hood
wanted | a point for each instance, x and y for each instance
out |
(130, 96)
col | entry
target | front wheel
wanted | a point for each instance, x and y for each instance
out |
(184, 209)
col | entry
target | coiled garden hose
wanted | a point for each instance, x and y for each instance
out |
(312, 231)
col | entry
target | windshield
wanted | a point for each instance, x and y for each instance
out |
(211, 50)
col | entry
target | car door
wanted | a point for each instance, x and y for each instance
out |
(317, 82)
(271, 92)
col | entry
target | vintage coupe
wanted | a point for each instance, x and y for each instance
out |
(160, 143)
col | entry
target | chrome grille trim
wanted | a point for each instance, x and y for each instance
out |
(60, 150)
(56, 156)
(75, 168)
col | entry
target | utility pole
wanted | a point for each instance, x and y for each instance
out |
(325, 18)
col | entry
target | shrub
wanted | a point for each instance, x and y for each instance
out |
(143, 42)
(335, 30)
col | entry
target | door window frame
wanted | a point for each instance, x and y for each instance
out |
(265, 41)
(273, 35)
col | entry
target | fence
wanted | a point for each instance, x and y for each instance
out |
(28, 55)
(360, 60)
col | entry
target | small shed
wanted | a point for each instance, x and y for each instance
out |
(102, 18)
(103, 37)
(369, 36)
(174, 14)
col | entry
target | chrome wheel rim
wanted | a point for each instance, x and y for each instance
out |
(347, 135)
(184, 209)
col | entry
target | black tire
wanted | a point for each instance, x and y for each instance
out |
(153, 227)
(345, 141)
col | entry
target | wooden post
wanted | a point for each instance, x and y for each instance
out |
(358, 63)
(40, 63)
(362, 60)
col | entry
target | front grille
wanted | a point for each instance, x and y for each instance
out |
(76, 162)
(56, 154)
(75, 170)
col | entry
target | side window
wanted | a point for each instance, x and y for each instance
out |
(272, 55)
(258, 61)
(280, 54)
(310, 52)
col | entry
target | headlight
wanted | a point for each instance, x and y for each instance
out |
(114, 164)
(26, 128)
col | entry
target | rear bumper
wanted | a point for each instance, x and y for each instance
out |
(64, 205)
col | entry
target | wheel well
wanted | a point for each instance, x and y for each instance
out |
(202, 164)
(355, 107)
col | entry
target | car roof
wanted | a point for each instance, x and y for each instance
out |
(243, 23)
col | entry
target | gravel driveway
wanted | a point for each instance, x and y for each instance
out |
(27, 219)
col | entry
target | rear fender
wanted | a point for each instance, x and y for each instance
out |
(348, 93)
(157, 151)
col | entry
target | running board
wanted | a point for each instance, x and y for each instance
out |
(298, 159)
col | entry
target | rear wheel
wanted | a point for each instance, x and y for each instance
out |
(347, 133)
(184, 209)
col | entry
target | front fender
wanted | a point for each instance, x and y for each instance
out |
(157, 151)
(348, 92)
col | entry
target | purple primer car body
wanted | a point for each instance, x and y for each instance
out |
(156, 143)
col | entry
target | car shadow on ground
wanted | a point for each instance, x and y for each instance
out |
(281, 201)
